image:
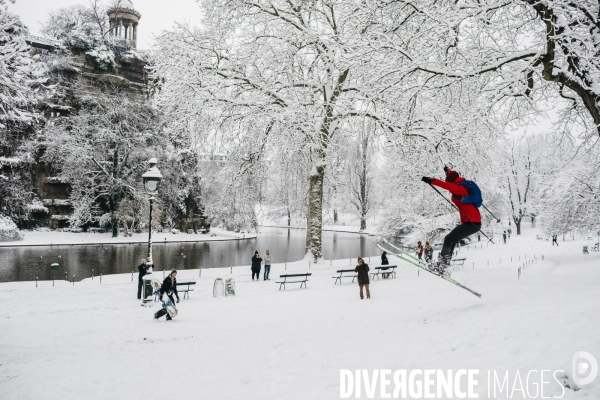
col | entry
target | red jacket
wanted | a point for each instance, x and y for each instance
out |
(466, 209)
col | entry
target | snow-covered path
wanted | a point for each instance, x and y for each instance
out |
(41, 238)
(94, 341)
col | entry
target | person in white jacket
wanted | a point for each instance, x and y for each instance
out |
(268, 260)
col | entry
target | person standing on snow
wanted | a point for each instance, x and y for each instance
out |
(554, 240)
(363, 277)
(256, 260)
(384, 259)
(268, 261)
(470, 217)
(169, 286)
(504, 237)
(143, 268)
(428, 252)
(419, 250)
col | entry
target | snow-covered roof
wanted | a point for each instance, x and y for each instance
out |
(125, 5)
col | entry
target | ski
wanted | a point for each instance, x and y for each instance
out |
(405, 257)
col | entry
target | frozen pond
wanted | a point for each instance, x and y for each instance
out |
(25, 263)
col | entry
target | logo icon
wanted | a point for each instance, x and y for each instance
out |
(584, 368)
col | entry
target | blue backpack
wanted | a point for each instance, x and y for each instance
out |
(474, 196)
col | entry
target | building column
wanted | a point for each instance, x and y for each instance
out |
(135, 35)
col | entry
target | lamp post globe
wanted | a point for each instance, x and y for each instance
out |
(151, 179)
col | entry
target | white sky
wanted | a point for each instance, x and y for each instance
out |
(157, 15)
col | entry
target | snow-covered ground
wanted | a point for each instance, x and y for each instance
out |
(94, 341)
(42, 238)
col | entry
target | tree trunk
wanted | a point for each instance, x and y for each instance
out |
(114, 222)
(518, 225)
(315, 213)
(363, 224)
(335, 216)
(289, 219)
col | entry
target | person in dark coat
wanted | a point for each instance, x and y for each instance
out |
(384, 259)
(554, 240)
(143, 268)
(256, 260)
(363, 277)
(169, 286)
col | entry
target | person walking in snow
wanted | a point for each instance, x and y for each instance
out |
(504, 237)
(268, 261)
(384, 259)
(143, 269)
(168, 287)
(509, 231)
(256, 260)
(419, 250)
(554, 240)
(362, 270)
(470, 217)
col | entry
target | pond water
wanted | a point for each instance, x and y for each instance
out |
(285, 245)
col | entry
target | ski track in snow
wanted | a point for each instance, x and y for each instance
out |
(94, 341)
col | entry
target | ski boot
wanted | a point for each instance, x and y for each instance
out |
(442, 266)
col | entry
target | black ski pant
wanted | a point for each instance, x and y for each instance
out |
(140, 284)
(456, 235)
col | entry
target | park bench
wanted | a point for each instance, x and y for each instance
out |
(458, 262)
(187, 289)
(341, 275)
(296, 278)
(386, 269)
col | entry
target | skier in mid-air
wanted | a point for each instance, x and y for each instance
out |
(466, 202)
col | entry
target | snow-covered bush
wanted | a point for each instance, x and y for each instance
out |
(8, 230)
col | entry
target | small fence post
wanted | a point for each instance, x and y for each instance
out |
(131, 276)
(163, 273)
(199, 272)
(36, 279)
(92, 274)
(101, 278)
(231, 271)
(73, 280)
(67, 278)
(308, 264)
(286, 266)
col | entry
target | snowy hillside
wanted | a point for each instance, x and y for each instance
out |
(94, 341)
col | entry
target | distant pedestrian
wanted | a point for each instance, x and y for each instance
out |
(554, 240)
(256, 260)
(363, 277)
(384, 259)
(268, 260)
(168, 287)
(419, 250)
(143, 269)
(504, 237)
(428, 252)
(479, 237)
(509, 231)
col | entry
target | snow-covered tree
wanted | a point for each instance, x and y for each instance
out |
(277, 71)
(361, 163)
(22, 80)
(102, 152)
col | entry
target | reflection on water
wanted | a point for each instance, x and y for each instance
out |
(285, 245)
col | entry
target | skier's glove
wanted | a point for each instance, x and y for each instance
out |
(446, 169)
(426, 179)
